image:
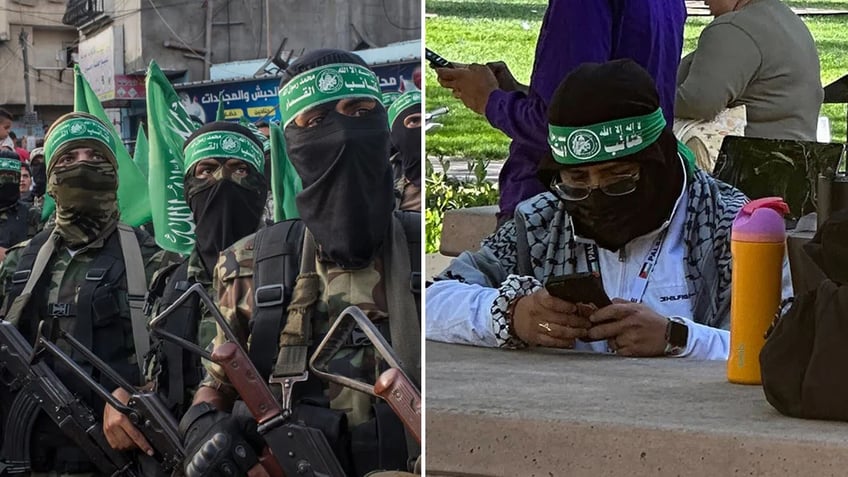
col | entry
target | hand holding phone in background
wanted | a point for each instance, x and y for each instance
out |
(472, 84)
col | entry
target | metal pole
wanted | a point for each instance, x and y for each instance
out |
(268, 28)
(207, 57)
(23, 40)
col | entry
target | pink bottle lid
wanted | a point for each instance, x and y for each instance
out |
(761, 220)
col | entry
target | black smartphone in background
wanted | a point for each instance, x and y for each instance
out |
(579, 288)
(436, 61)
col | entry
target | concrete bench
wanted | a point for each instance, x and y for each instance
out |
(463, 229)
(494, 412)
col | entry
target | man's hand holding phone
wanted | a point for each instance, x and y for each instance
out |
(631, 329)
(541, 319)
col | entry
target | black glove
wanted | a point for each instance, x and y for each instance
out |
(217, 443)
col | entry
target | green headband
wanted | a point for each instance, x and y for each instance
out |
(410, 98)
(10, 165)
(324, 84)
(77, 129)
(605, 141)
(224, 144)
(266, 143)
(389, 98)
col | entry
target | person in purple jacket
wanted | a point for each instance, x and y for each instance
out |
(650, 32)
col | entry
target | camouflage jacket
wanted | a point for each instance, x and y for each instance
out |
(67, 274)
(319, 298)
(30, 218)
(206, 327)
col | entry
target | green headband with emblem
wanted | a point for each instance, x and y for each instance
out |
(604, 141)
(324, 84)
(389, 98)
(224, 144)
(10, 165)
(77, 129)
(410, 98)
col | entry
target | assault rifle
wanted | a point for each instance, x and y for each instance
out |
(33, 388)
(392, 385)
(145, 409)
(293, 450)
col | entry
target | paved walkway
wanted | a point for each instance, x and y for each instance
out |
(697, 8)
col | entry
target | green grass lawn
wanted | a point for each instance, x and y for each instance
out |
(482, 30)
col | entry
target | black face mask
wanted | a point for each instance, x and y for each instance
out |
(347, 198)
(10, 192)
(224, 212)
(39, 179)
(612, 222)
(408, 143)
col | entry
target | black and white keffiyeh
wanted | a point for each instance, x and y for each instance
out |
(540, 243)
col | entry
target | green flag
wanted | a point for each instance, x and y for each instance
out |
(133, 200)
(219, 115)
(169, 125)
(285, 183)
(141, 151)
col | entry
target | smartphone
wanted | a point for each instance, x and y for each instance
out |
(579, 288)
(435, 60)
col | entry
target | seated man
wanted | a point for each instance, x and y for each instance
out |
(629, 206)
(760, 54)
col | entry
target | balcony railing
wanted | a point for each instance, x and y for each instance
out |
(80, 12)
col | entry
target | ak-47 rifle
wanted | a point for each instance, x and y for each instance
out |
(145, 409)
(393, 385)
(293, 450)
(36, 389)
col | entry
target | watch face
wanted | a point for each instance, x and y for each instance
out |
(678, 335)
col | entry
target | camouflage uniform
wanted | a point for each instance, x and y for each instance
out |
(318, 298)
(409, 194)
(19, 211)
(67, 273)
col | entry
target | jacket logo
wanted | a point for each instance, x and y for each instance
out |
(666, 299)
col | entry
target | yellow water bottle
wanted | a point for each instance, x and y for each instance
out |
(757, 246)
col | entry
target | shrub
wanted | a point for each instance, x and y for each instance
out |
(446, 193)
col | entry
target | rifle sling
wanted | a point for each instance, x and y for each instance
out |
(136, 290)
(41, 260)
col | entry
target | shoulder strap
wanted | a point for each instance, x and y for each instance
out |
(522, 247)
(30, 276)
(411, 223)
(136, 290)
(276, 266)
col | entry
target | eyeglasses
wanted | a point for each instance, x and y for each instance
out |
(614, 186)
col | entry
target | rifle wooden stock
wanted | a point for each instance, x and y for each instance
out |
(250, 386)
(403, 398)
(256, 394)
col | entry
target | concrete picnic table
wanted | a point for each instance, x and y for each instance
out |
(492, 412)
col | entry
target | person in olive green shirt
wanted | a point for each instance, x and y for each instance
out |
(760, 54)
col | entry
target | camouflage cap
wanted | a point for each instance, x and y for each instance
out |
(76, 130)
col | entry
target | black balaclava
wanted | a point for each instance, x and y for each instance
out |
(39, 172)
(347, 197)
(224, 209)
(10, 190)
(408, 142)
(595, 93)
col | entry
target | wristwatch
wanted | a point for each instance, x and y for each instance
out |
(676, 336)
